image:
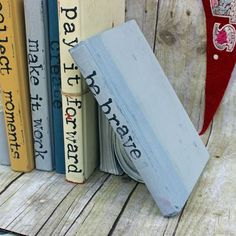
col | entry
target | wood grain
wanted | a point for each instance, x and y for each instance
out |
(30, 200)
(102, 211)
(212, 208)
(72, 206)
(180, 48)
(142, 217)
(178, 35)
(145, 13)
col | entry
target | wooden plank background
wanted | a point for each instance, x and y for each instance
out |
(108, 205)
(177, 32)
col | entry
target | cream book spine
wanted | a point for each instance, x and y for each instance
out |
(78, 20)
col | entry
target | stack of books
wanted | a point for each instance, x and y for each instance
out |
(52, 118)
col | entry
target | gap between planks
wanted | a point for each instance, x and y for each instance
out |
(7, 178)
(74, 198)
(95, 215)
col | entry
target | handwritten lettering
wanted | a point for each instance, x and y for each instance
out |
(11, 127)
(121, 130)
(5, 66)
(5, 69)
(38, 139)
(73, 104)
(69, 27)
(36, 102)
(35, 69)
(55, 73)
(72, 150)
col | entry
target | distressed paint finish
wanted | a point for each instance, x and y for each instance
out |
(163, 144)
(211, 208)
(37, 39)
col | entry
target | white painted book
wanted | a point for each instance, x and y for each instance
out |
(125, 77)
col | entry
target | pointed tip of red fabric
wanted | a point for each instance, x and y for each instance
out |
(208, 117)
(203, 131)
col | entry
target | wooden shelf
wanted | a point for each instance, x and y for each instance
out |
(43, 203)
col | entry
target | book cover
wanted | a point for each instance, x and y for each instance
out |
(39, 80)
(153, 127)
(4, 154)
(79, 19)
(14, 84)
(55, 78)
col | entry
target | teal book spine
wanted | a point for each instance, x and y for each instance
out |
(55, 78)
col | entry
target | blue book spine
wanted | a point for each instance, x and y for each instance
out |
(55, 79)
(36, 23)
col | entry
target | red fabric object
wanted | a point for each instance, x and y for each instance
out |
(221, 53)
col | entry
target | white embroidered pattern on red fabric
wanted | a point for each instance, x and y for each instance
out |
(224, 37)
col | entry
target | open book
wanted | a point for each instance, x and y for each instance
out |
(131, 88)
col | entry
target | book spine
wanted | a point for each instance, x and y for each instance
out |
(4, 157)
(39, 79)
(14, 85)
(69, 36)
(55, 79)
(96, 82)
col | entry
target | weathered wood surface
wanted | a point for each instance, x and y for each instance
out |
(43, 204)
(142, 217)
(100, 215)
(180, 48)
(7, 177)
(66, 214)
(30, 200)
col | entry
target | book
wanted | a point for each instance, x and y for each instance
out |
(79, 19)
(39, 79)
(14, 84)
(55, 78)
(119, 68)
(4, 154)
